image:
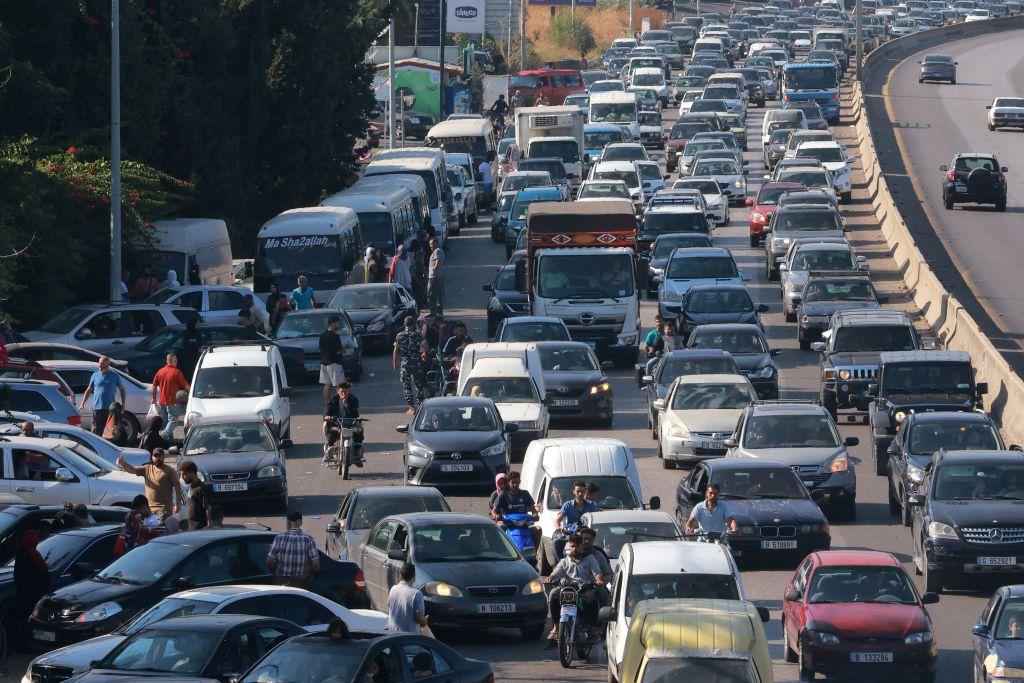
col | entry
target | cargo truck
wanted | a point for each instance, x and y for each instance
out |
(554, 132)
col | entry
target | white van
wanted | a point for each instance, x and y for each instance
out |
(551, 466)
(184, 241)
(428, 164)
(387, 217)
(467, 162)
(468, 136)
(515, 384)
(619, 108)
(413, 183)
(321, 242)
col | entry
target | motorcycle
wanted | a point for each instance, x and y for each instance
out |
(344, 451)
(572, 635)
(517, 528)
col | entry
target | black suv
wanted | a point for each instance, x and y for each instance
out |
(850, 348)
(917, 381)
(974, 179)
(921, 436)
(969, 518)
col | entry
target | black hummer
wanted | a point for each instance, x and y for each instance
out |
(850, 348)
(917, 381)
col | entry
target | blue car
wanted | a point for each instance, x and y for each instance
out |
(517, 214)
(999, 636)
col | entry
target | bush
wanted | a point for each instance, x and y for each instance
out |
(573, 32)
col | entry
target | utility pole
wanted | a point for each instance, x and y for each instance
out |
(391, 84)
(631, 31)
(859, 37)
(440, 60)
(522, 34)
(115, 151)
(508, 43)
(416, 30)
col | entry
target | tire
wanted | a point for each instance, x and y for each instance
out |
(790, 317)
(906, 515)
(991, 127)
(846, 509)
(583, 653)
(952, 81)
(881, 457)
(545, 562)
(532, 632)
(1001, 205)
(932, 579)
(805, 673)
(828, 401)
(948, 202)
(755, 241)
(282, 503)
(131, 427)
(564, 644)
(788, 652)
(654, 427)
(846, 197)
(346, 465)
(894, 502)
(805, 344)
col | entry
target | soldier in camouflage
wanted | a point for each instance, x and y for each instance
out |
(407, 360)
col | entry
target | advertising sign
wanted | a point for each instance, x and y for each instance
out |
(465, 16)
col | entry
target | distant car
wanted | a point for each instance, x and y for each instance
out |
(689, 267)
(808, 255)
(37, 351)
(377, 311)
(577, 386)
(824, 294)
(656, 376)
(109, 327)
(363, 507)
(937, 68)
(302, 329)
(22, 368)
(1004, 112)
(974, 179)
(15, 518)
(763, 205)
(215, 303)
(532, 329)
(663, 247)
(86, 439)
(615, 528)
(848, 611)
(728, 173)
(41, 398)
(712, 303)
(504, 300)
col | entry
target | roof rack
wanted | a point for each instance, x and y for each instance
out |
(838, 273)
(239, 342)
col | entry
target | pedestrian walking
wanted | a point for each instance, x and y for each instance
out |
(145, 285)
(407, 611)
(293, 559)
(161, 484)
(259, 316)
(195, 508)
(277, 306)
(407, 359)
(171, 280)
(487, 176)
(435, 278)
(194, 278)
(103, 387)
(167, 382)
(303, 298)
(152, 438)
(375, 268)
(191, 347)
(331, 371)
(401, 269)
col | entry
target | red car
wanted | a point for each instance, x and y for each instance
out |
(19, 368)
(763, 206)
(856, 614)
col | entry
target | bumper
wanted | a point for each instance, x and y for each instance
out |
(853, 394)
(690, 449)
(766, 389)
(751, 547)
(956, 559)
(838, 486)
(950, 192)
(653, 143)
(430, 474)
(67, 633)
(522, 439)
(255, 489)
(582, 406)
(465, 612)
(811, 330)
(1007, 122)
(835, 660)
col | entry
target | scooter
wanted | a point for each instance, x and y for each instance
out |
(517, 528)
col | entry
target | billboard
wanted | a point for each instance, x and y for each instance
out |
(465, 16)
(566, 3)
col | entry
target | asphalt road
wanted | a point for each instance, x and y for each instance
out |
(935, 120)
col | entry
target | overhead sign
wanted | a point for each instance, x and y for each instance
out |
(567, 3)
(465, 16)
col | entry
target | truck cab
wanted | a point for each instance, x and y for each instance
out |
(815, 81)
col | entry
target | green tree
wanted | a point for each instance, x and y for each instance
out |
(574, 32)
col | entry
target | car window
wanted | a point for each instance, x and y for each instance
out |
(193, 300)
(101, 326)
(184, 316)
(380, 538)
(236, 655)
(216, 564)
(423, 661)
(99, 553)
(297, 609)
(29, 401)
(226, 300)
(143, 323)
(31, 464)
(270, 636)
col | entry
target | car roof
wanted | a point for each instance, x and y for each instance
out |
(240, 418)
(441, 518)
(93, 531)
(218, 594)
(206, 622)
(675, 557)
(818, 144)
(696, 353)
(877, 316)
(701, 252)
(717, 288)
(867, 558)
(936, 356)
(458, 401)
(979, 457)
(36, 442)
(732, 464)
(620, 516)
(203, 537)
(238, 354)
(526, 319)
(951, 416)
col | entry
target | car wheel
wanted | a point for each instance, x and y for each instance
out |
(755, 241)
(282, 502)
(131, 427)
(881, 460)
(846, 509)
(787, 649)
(932, 578)
(846, 197)
(948, 202)
(906, 515)
(952, 81)
(806, 674)
(894, 502)
(805, 344)
(991, 127)
(1001, 205)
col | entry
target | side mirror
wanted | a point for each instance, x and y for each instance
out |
(851, 441)
(511, 428)
(285, 392)
(183, 583)
(402, 429)
(988, 106)
(286, 443)
(1004, 169)
(915, 501)
(1015, 447)
(764, 614)
(817, 495)
(647, 379)
(762, 308)
(793, 595)
(659, 404)
(783, 268)
(64, 474)
(606, 614)
(944, 167)
(730, 442)
(894, 448)
(334, 527)
(655, 503)
(775, 352)
(174, 450)
(978, 629)
(930, 599)
(487, 288)
(981, 388)
(396, 554)
(872, 389)
(749, 202)
(607, 365)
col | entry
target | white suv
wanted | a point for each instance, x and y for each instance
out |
(243, 379)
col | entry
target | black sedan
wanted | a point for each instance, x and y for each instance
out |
(999, 637)
(168, 564)
(150, 354)
(662, 249)
(775, 514)
(239, 459)
(471, 574)
(302, 329)
(657, 376)
(456, 442)
(209, 646)
(505, 300)
(707, 304)
(366, 657)
(17, 518)
(376, 310)
(937, 68)
(749, 349)
(577, 387)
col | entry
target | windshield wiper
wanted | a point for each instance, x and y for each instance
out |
(735, 495)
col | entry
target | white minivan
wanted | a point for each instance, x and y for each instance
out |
(181, 242)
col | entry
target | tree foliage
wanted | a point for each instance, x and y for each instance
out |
(573, 32)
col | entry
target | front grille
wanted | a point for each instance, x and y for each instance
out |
(993, 534)
(571, 393)
(778, 531)
(712, 436)
(230, 476)
(463, 455)
(864, 372)
(810, 473)
(492, 591)
(51, 674)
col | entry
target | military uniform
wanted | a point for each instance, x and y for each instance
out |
(413, 369)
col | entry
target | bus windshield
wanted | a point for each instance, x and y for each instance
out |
(811, 78)
(566, 150)
(278, 256)
(376, 229)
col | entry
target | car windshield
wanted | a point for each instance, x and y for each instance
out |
(716, 167)
(838, 290)
(861, 584)
(309, 660)
(567, 359)
(566, 150)
(614, 493)
(522, 205)
(702, 267)
(371, 509)
(704, 669)
(928, 437)
(604, 191)
(796, 220)
(721, 92)
(779, 136)
(176, 651)
(159, 340)
(66, 321)
(760, 482)
(874, 338)
(555, 168)
(518, 182)
(709, 187)
(245, 437)
(1011, 620)
(679, 586)
(790, 431)
(454, 179)
(725, 396)
(648, 79)
(299, 325)
(927, 378)
(694, 146)
(446, 418)
(502, 389)
(534, 332)
(823, 154)
(145, 564)
(702, 105)
(605, 276)
(360, 298)
(505, 202)
(624, 152)
(59, 549)
(810, 178)
(235, 381)
(691, 82)
(630, 178)
(506, 280)
(461, 543)
(599, 138)
(839, 259)
(664, 246)
(649, 171)
(624, 112)
(613, 535)
(688, 221)
(719, 301)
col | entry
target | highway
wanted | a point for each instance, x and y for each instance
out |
(934, 120)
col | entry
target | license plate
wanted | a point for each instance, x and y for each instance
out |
(712, 444)
(997, 561)
(778, 545)
(458, 467)
(312, 366)
(591, 343)
(496, 608)
(870, 657)
(48, 636)
(242, 486)
(565, 402)
(960, 187)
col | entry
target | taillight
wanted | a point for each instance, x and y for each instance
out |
(835, 98)
(75, 420)
(951, 175)
(360, 581)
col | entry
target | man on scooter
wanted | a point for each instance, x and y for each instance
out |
(515, 500)
(582, 569)
(570, 513)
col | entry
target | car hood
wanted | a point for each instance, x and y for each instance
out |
(775, 511)
(221, 463)
(726, 180)
(519, 412)
(710, 318)
(307, 344)
(793, 456)
(835, 166)
(748, 362)
(79, 655)
(650, 129)
(681, 287)
(109, 676)
(867, 619)
(457, 441)
(1010, 652)
(924, 402)
(230, 406)
(721, 420)
(827, 308)
(509, 573)
(572, 379)
(856, 358)
(365, 316)
(88, 593)
(978, 513)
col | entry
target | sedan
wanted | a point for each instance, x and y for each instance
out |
(505, 301)
(376, 311)
(763, 205)
(456, 441)
(822, 296)
(471, 574)
(937, 68)
(656, 376)
(37, 351)
(363, 507)
(748, 347)
(302, 329)
(532, 329)
(857, 614)
(577, 386)
(239, 459)
(999, 637)
(1004, 112)
(139, 397)
(662, 249)
(709, 304)
(108, 328)
(616, 528)
(699, 413)
(88, 440)
(730, 177)
(807, 255)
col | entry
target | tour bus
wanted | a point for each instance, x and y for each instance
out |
(180, 242)
(471, 136)
(386, 215)
(413, 183)
(619, 108)
(428, 164)
(321, 242)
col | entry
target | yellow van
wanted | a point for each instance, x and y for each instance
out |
(695, 640)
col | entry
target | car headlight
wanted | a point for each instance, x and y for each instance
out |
(100, 612)
(269, 472)
(192, 418)
(824, 637)
(763, 373)
(737, 183)
(1001, 672)
(533, 588)
(657, 271)
(418, 451)
(441, 589)
(941, 530)
(840, 463)
(529, 424)
(918, 638)
(492, 451)
(677, 430)
(899, 415)
(915, 474)
(758, 217)
(600, 388)
(828, 373)
(375, 326)
(267, 415)
(844, 374)
(814, 528)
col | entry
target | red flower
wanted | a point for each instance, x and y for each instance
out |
(93, 21)
(71, 150)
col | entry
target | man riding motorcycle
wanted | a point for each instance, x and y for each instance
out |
(343, 406)
(515, 500)
(579, 568)
(569, 515)
(711, 516)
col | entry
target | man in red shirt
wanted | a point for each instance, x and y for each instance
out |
(167, 382)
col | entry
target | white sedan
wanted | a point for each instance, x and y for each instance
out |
(77, 373)
(698, 414)
(1006, 112)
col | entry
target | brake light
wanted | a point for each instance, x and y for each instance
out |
(360, 581)
(951, 175)
(835, 98)
(75, 420)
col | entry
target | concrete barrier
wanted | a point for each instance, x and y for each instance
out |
(953, 325)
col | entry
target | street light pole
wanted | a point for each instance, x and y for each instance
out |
(440, 60)
(522, 35)
(115, 151)
(391, 84)
(860, 37)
